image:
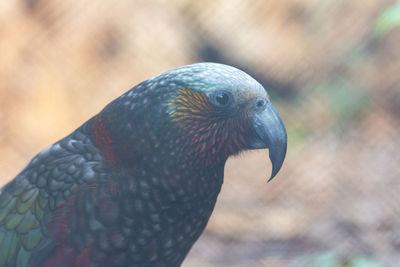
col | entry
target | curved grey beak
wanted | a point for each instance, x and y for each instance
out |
(271, 134)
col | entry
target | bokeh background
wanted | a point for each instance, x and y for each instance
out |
(332, 69)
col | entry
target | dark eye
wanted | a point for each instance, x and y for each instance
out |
(222, 98)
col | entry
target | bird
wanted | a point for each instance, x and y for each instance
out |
(136, 184)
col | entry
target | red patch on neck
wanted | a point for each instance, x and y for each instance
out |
(103, 140)
(67, 256)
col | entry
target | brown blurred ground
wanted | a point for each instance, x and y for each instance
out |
(333, 78)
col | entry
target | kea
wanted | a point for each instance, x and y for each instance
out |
(136, 184)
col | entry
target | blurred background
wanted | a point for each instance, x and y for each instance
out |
(332, 69)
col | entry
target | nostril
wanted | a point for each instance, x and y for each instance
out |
(261, 103)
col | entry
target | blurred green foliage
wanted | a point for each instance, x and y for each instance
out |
(388, 19)
(345, 101)
(298, 136)
(340, 101)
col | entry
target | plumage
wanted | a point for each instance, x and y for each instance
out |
(136, 184)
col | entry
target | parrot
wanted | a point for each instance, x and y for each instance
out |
(136, 184)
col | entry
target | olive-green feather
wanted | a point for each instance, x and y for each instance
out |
(28, 194)
(4, 211)
(38, 209)
(13, 220)
(26, 203)
(29, 222)
(5, 198)
(9, 247)
(23, 257)
(32, 239)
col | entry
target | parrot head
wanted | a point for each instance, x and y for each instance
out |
(208, 111)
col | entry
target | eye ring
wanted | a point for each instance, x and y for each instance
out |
(222, 98)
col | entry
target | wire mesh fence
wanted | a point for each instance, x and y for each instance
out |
(331, 67)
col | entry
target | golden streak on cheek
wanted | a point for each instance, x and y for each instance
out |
(189, 105)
